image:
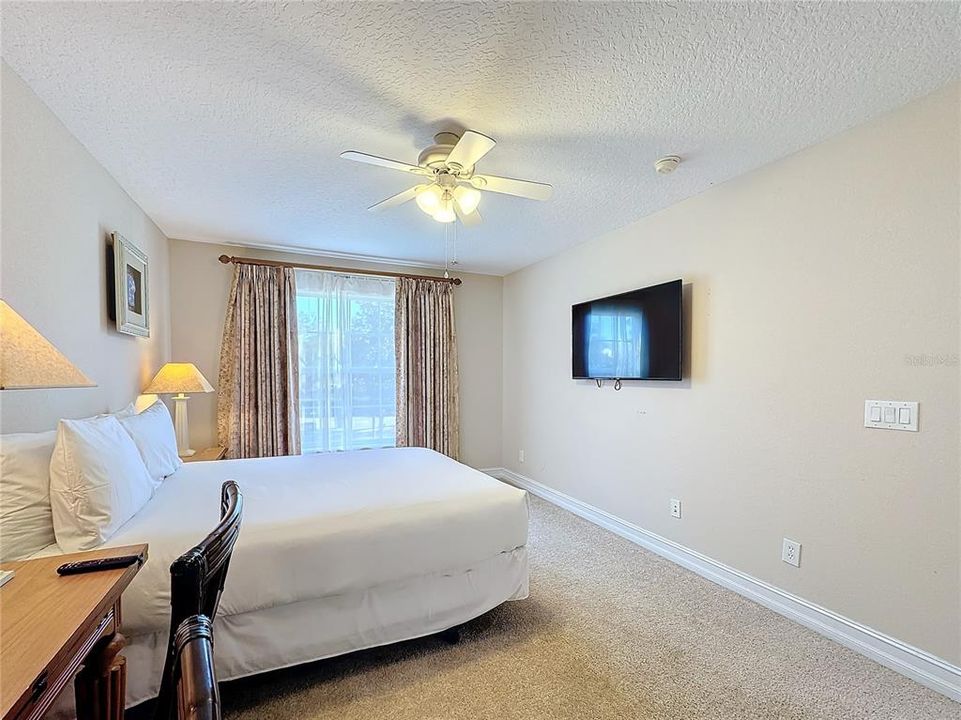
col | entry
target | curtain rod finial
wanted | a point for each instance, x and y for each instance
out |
(225, 259)
(457, 281)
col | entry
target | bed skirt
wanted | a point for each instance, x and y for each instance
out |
(310, 630)
(302, 632)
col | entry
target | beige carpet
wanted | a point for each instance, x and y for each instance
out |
(610, 631)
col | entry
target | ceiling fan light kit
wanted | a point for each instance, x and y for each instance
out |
(452, 189)
(429, 198)
(445, 213)
(468, 198)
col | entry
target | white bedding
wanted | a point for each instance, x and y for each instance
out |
(285, 635)
(325, 524)
(387, 544)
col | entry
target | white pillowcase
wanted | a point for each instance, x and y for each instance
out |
(98, 481)
(152, 432)
(120, 414)
(26, 523)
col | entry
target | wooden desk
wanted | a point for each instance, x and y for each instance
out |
(54, 629)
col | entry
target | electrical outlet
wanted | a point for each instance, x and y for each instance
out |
(675, 508)
(791, 552)
(520, 456)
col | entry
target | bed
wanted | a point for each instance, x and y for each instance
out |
(337, 552)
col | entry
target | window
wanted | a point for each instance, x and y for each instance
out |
(345, 329)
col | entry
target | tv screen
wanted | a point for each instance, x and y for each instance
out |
(632, 336)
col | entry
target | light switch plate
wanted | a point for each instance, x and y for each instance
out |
(891, 415)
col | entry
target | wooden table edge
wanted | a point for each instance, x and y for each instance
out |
(7, 707)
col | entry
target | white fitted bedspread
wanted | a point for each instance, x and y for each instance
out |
(323, 525)
(337, 552)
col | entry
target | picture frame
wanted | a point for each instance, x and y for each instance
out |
(131, 286)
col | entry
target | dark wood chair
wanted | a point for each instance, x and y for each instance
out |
(196, 582)
(194, 676)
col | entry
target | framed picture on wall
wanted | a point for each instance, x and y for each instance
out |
(131, 288)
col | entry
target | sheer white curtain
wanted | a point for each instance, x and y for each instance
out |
(347, 361)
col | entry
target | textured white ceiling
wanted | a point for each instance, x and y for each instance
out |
(225, 121)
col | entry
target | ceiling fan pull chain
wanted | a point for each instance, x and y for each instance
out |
(453, 243)
(447, 250)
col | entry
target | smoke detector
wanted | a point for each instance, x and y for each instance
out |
(667, 164)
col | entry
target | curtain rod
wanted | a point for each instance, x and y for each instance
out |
(226, 259)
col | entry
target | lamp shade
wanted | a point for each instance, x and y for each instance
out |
(178, 378)
(28, 360)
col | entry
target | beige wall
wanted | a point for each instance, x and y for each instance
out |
(59, 206)
(199, 287)
(815, 280)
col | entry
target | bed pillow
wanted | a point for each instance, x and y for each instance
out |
(152, 431)
(122, 413)
(98, 481)
(26, 523)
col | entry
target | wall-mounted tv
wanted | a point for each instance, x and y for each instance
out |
(632, 336)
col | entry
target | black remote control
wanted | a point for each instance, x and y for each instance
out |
(85, 566)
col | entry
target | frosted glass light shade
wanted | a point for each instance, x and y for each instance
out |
(429, 200)
(29, 360)
(445, 213)
(467, 199)
(178, 378)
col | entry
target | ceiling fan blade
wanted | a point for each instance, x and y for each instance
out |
(383, 162)
(510, 186)
(398, 199)
(471, 147)
(471, 219)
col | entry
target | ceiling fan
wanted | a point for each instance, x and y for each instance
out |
(449, 188)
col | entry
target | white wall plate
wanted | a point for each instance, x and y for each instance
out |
(891, 415)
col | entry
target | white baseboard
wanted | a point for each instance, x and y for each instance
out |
(921, 666)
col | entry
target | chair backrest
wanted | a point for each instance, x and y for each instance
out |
(197, 695)
(196, 582)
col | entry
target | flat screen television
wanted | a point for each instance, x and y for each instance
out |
(632, 336)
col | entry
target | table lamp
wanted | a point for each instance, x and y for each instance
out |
(179, 378)
(28, 361)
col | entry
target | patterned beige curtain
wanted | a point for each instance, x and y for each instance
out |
(427, 406)
(257, 411)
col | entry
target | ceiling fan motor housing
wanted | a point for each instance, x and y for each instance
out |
(435, 156)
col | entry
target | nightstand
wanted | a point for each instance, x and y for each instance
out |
(212, 453)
